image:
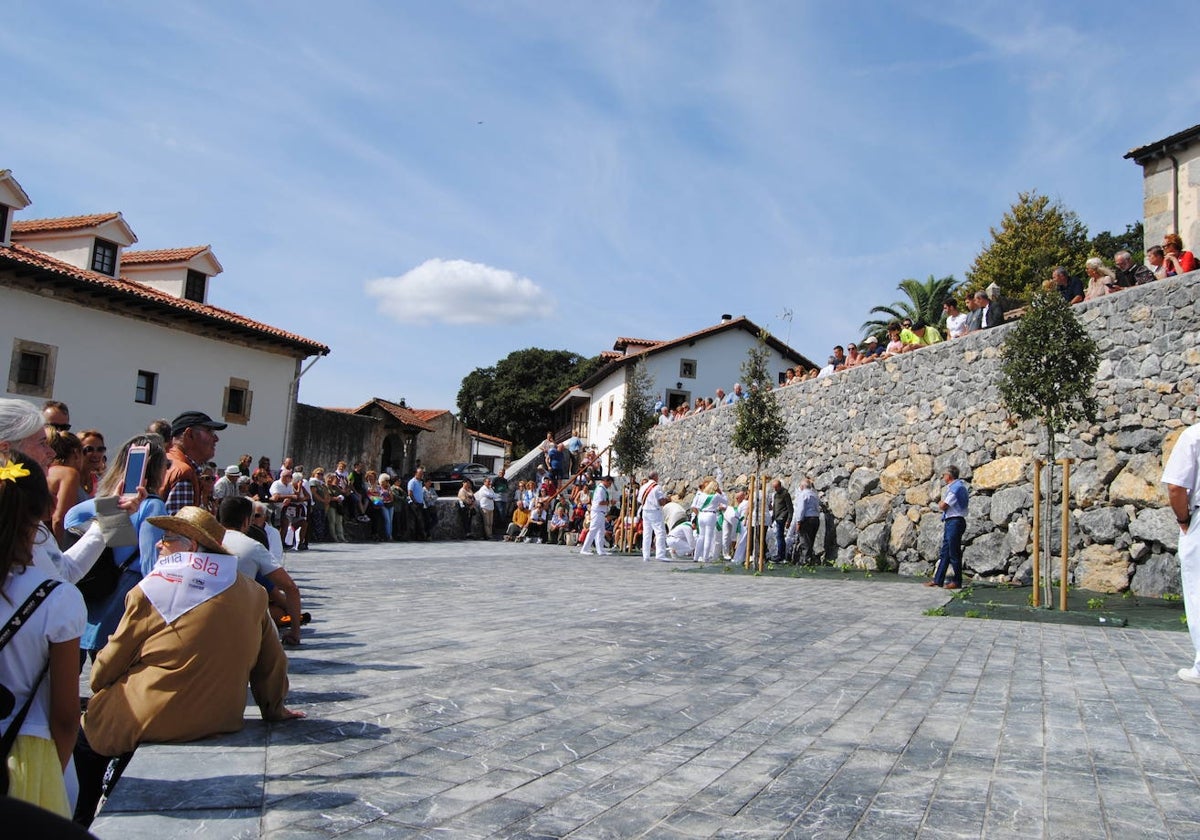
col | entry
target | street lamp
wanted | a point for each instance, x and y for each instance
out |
(478, 418)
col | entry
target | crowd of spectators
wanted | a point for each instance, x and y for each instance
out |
(179, 598)
(985, 308)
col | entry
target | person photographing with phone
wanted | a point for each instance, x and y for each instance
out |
(140, 463)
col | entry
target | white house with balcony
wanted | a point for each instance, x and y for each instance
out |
(125, 337)
(681, 369)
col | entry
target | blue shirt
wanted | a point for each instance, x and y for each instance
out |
(416, 490)
(955, 498)
(808, 503)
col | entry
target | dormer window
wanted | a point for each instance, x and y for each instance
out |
(104, 257)
(196, 286)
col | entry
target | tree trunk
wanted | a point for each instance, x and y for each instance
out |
(1047, 528)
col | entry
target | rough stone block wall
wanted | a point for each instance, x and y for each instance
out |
(323, 437)
(876, 439)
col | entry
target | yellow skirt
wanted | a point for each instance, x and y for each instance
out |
(36, 776)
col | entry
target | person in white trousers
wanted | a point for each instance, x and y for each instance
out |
(601, 499)
(1180, 476)
(708, 503)
(650, 499)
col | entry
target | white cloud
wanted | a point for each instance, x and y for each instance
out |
(460, 292)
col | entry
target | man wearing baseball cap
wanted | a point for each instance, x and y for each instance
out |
(193, 444)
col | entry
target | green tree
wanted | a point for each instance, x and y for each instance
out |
(1048, 374)
(760, 430)
(512, 398)
(924, 304)
(1106, 243)
(1035, 235)
(631, 442)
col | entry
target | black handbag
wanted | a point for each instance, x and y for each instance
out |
(101, 580)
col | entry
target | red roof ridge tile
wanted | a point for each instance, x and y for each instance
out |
(62, 222)
(401, 412)
(162, 255)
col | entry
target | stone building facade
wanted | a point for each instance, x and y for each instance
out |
(876, 439)
(1171, 186)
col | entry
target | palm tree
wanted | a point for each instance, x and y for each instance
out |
(924, 304)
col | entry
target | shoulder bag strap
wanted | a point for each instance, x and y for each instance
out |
(10, 629)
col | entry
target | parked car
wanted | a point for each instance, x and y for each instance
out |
(449, 478)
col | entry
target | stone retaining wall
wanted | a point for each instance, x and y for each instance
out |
(876, 439)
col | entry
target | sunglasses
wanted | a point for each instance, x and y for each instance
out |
(88, 450)
(168, 539)
(62, 427)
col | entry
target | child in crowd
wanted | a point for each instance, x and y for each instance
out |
(39, 665)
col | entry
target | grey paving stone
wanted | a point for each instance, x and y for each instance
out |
(519, 691)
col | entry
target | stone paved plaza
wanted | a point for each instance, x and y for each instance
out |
(468, 690)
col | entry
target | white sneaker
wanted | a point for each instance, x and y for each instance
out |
(1189, 675)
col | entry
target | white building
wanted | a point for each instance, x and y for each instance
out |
(126, 337)
(681, 369)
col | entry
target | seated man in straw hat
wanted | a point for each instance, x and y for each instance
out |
(194, 634)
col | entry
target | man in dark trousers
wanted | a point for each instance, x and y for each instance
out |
(953, 506)
(781, 515)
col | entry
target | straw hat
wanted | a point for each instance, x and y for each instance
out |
(195, 524)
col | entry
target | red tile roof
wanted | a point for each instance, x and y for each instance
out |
(429, 413)
(486, 436)
(62, 223)
(129, 293)
(162, 255)
(405, 415)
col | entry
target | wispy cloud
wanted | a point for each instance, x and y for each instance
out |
(460, 292)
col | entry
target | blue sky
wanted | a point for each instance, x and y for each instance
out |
(426, 187)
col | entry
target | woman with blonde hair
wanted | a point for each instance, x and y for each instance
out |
(709, 502)
(1103, 279)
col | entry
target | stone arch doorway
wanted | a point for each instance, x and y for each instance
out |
(392, 454)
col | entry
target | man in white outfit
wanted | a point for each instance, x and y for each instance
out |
(735, 526)
(650, 497)
(601, 499)
(682, 539)
(1180, 476)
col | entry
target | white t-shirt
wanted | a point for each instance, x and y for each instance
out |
(682, 539)
(253, 557)
(651, 498)
(60, 618)
(956, 325)
(1184, 463)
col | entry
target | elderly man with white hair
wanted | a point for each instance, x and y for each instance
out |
(1130, 273)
